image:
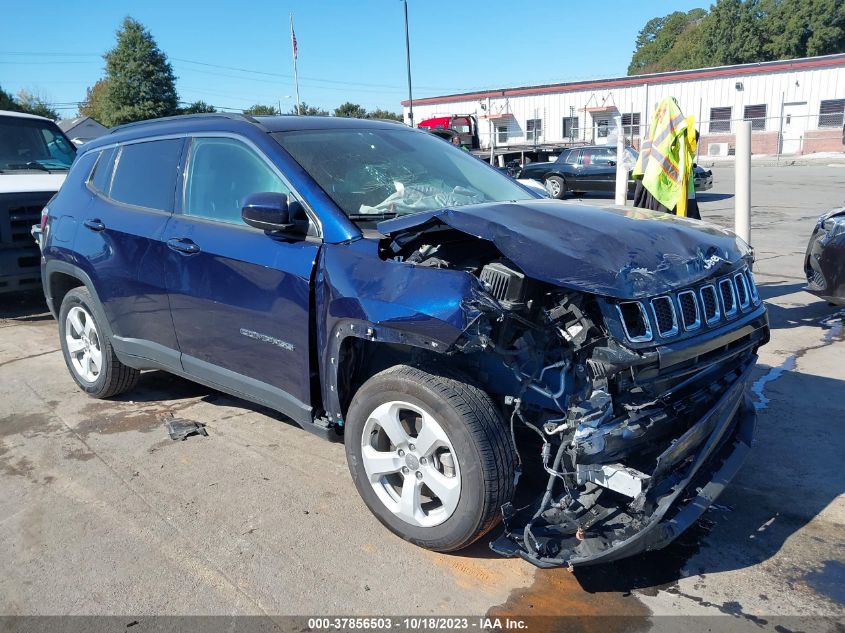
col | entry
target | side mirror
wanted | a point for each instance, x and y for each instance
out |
(267, 211)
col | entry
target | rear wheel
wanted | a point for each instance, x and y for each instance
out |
(556, 187)
(87, 351)
(430, 456)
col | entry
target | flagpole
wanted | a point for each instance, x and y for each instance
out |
(295, 73)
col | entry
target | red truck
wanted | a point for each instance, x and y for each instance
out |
(464, 125)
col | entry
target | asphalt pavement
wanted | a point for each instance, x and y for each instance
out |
(102, 513)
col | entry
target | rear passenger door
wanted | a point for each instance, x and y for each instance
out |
(121, 242)
(240, 299)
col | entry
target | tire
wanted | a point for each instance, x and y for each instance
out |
(476, 437)
(556, 187)
(82, 337)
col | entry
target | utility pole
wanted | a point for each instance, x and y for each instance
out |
(742, 180)
(621, 196)
(408, 61)
(490, 131)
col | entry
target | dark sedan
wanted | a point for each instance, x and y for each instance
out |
(592, 169)
(824, 263)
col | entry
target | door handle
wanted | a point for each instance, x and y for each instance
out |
(183, 245)
(95, 225)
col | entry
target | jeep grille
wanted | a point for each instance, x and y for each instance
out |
(710, 305)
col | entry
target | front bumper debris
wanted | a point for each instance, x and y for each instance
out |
(688, 477)
(824, 265)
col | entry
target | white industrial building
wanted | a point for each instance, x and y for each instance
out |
(796, 106)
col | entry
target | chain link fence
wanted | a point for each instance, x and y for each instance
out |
(786, 135)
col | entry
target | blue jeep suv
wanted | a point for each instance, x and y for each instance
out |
(470, 343)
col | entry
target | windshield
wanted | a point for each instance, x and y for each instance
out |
(33, 144)
(376, 174)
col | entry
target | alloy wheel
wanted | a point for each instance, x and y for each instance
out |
(83, 344)
(411, 464)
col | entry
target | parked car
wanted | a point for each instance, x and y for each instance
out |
(592, 169)
(387, 290)
(824, 262)
(34, 159)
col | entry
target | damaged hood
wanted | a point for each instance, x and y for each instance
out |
(620, 252)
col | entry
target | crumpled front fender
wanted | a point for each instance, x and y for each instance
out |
(360, 295)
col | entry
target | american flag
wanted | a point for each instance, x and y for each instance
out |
(293, 38)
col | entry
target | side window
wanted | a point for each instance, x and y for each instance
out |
(598, 156)
(222, 172)
(145, 174)
(58, 146)
(604, 156)
(101, 176)
(572, 157)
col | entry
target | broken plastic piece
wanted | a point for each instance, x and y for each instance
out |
(182, 429)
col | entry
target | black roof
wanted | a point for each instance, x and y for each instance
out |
(229, 122)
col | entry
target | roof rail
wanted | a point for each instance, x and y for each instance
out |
(207, 115)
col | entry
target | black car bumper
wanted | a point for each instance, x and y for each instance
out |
(824, 266)
(691, 473)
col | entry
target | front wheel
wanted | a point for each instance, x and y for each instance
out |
(556, 187)
(430, 455)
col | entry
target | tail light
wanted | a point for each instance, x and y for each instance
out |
(44, 213)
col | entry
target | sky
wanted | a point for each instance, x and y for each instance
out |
(236, 54)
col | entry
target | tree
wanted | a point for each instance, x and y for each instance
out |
(352, 110)
(198, 107)
(674, 37)
(733, 33)
(7, 101)
(261, 110)
(378, 113)
(36, 104)
(804, 28)
(94, 105)
(139, 80)
(308, 110)
(740, 32)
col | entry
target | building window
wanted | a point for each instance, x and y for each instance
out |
(602, 127)
(570, 127)
(720, 119)
(832, 113)
(631, 122)
(501, 133)
(757, 115)
(533, 129)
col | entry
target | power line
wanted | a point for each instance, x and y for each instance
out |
(220, 66)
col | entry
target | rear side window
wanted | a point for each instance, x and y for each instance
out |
(145, 174)
(101, 177)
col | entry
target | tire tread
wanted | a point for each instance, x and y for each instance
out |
(119, 377)
(485, 424)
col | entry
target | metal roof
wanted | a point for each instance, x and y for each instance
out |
(804, 63)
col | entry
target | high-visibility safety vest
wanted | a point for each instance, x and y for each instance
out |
(666, 157)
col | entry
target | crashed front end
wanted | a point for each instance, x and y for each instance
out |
(653, 419)
(824, 261)
(622, 366)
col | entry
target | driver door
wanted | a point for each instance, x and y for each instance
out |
(598, 171)
(239, 298)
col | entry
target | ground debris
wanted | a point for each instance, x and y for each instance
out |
(182, 429)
